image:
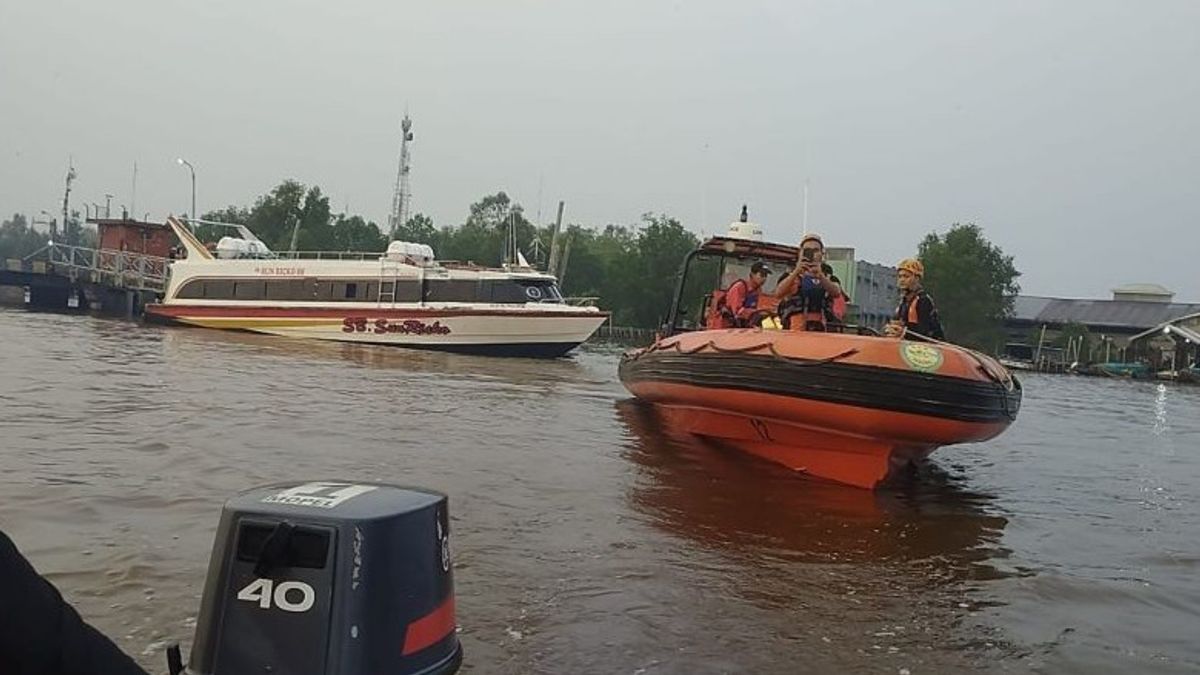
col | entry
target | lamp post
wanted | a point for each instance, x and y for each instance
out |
(50, 222)
(107, 205)
(184, 162)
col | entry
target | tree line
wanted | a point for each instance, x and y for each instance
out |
(19, 236)
(629, 269)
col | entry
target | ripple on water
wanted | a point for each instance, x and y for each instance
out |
(589, 537)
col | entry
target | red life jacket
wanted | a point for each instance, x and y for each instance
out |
(729, 315)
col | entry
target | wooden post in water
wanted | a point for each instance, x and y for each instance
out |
(1037, 357)
(566, 257)
(552, 267)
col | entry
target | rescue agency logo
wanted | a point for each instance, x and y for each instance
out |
(921, 357)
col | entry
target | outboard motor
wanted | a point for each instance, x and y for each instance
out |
(328, 578)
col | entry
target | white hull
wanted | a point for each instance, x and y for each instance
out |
(536, 332)
(400, 298)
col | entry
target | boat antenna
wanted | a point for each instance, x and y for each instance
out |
(66, 199)
(510, 241)
(804, 222)
(541, 180)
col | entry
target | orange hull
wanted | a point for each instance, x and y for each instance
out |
(852, 409)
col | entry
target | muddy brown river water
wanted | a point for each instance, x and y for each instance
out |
(587, 540)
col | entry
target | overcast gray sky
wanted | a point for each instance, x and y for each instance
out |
(1067, 130)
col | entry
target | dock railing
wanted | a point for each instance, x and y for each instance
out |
(118, 269)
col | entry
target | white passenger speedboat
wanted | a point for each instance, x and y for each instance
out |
(402, 297)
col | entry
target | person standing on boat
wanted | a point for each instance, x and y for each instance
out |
(916, 312)
(740, 301)
(807, 292)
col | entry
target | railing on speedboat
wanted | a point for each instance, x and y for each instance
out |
(328, 255)
(582, 301)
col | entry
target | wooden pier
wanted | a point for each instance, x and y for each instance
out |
(74, 277)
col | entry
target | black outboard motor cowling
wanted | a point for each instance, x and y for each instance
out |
(329, 578)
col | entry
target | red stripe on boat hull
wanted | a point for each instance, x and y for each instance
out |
(172, 311)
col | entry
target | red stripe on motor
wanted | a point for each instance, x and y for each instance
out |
(429, 629)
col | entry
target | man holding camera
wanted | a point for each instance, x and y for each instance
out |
(808, 290)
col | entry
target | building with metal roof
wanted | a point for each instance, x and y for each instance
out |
(1122, 318)
(1143, 293)
(1173, 344)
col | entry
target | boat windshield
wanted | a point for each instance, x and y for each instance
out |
(495, 291)
(527, 290)
(706, 277)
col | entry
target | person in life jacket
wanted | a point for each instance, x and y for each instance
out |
(808, 291)
(916, 311)
(835, 312)
(740, 301)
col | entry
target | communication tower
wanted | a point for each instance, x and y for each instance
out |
(401, 197)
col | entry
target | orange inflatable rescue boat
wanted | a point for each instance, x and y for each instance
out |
(846, 405)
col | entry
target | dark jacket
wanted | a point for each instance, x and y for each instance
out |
(40, 634)
(919, 315)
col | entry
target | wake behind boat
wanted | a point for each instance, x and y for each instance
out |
(402, 297)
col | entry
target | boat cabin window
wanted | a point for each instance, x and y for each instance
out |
(249, 290)
(401, 290)
(510, 291)
(451, 290)
(292, 290)
(328, 291)
(287, 289)
(495, 291)
(499, 291)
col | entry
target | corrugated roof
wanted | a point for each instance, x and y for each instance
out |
(1110, 313)
(1189, 333)
(1027, 307)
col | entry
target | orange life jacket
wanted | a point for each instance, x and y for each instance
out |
(839, 307)
(813, 299)
(721, 315)
(913, 317)
(713, 317)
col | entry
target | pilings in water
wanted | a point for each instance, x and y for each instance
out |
(68, 286)
(625, 333)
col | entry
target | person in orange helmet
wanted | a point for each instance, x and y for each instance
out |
(916, 312)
